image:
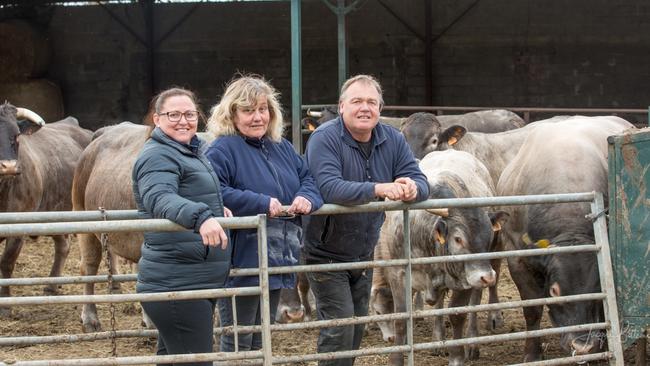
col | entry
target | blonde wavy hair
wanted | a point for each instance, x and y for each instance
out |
(243, 92)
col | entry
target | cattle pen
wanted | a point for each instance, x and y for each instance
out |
(43, 223)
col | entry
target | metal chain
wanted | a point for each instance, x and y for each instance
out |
(111, 306)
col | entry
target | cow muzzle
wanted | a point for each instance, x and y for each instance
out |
(290, 316)
(480, 274)
(580, 347)
(9, 168)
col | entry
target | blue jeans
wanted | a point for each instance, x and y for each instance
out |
(340, 294)
(184, 326)
(248, 313)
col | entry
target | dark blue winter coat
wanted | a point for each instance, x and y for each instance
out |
(175, 181)
(346, 177)
(251, 171)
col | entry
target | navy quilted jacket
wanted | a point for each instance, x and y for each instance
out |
(176, 182)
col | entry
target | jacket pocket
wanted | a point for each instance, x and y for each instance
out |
(325, 235)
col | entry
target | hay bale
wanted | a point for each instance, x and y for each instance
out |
(40, 95)
(25, 51)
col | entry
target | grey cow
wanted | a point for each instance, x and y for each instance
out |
(565, 157)
(451, 174)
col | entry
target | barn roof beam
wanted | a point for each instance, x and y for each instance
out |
(341, 10)
(405, 23)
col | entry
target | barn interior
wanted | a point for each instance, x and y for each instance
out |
(101, 61)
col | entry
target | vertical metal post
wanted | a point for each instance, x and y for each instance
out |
(428, 54)
(342, 46)
(264, 287)
(147, 9)
(296, 76)
(408, 287)
(607, 281)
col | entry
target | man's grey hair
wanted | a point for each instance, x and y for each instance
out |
(366, 79)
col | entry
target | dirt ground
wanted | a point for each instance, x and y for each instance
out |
(35, 261)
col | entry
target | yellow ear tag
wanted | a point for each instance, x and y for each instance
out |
(440, 238)
(543, 243)
(452, 141)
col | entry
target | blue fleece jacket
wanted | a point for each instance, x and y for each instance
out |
(346, 177)
(251, 172)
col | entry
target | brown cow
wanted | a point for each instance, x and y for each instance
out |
(103, 179)
(37, 161)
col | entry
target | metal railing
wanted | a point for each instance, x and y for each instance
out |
(526, 111)
(611, 324)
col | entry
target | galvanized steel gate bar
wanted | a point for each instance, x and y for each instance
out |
(615, 353)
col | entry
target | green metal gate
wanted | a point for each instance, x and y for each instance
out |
(629, 230)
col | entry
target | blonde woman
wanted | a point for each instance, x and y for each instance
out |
(259, 171)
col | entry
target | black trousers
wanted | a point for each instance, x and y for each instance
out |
(184, 326)
(340, 294)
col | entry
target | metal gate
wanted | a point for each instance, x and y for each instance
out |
(611, 324)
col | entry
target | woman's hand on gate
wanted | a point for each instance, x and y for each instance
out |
(213, 234)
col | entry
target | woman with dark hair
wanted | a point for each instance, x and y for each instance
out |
(172, 179)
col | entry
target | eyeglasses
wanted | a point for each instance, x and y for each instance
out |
(175, 116)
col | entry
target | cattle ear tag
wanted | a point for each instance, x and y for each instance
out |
(543, 243)
(496, 227)
(440, 238)
(526, 239)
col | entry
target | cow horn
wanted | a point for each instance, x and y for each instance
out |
(442, 212)
(314, 114)
(30, 115)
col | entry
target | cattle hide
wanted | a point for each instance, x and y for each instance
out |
(42, 161)
(566, 157)
(451, 174)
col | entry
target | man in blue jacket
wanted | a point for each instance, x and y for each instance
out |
(354, 160)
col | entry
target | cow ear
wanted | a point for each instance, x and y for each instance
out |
(27, 127)
(440, 231)
(309, 123)
(555, 290)
(498, 219)
(452, 134)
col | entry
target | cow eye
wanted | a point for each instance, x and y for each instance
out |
(434, 141)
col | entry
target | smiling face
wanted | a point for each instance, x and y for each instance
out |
(183, 130)
(360, 106)
(253, 121)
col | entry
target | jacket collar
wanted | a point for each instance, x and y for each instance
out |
(378, 134)
(255, 142)
(193, 147)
